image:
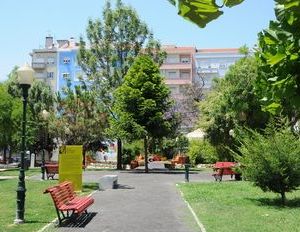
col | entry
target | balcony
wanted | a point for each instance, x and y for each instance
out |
(38, 65)
(174, 66)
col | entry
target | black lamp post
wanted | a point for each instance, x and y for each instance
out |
(25, 79)
(45, 115)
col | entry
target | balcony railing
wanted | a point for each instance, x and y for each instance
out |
(38, 65)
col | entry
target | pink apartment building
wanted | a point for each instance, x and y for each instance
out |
(178, 68)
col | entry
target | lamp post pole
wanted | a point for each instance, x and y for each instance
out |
(25, 76)
(45, 115)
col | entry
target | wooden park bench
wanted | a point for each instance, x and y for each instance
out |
(67, 204)
(223, 168)
(51, 170)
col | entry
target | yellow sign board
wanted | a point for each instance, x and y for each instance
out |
(70, 165)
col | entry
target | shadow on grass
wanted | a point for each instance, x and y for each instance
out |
(80, 221)
(87, 187)
(276, 202)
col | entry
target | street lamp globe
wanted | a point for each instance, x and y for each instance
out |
(25, 75)
(45, 114)
(231, 133)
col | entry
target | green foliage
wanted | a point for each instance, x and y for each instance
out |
(113, 43)
(230, 103)
(271, 160)
(79, 119)
(201, 151)
(202, 12)
(136, 146)
(142, 101)
(127, 155)
(279, 53)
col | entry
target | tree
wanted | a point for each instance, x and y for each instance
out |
(40, 98)
(231, 103)
(78, 118)
(271, 160)
(114, 42)
(141, 104)
(279, 53)
(8, 126)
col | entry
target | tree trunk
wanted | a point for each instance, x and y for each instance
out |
(283, 197)
(4, 154)
(146, 154)
(119, 154)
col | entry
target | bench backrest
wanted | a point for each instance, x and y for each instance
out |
(61, 193)
(51, 168)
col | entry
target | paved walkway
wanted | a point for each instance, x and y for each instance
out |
(142, 203)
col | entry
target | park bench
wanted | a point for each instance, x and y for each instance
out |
(51, 170)
(223, 168)
(67, 204)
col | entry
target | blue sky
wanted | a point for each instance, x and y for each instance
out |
(24, 25)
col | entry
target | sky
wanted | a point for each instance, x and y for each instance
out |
(25, 24)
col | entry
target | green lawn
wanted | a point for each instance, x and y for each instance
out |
(238, 206)
(39, 209)
(15, 172)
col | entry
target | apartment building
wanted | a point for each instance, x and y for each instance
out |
(214, 63)
(178, 69)
(67, 65)
(44, 63)
(57, 62)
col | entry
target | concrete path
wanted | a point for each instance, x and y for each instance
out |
(142, 203)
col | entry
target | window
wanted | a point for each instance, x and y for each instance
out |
(172, 74)
(50, 74)
(223, 66)
(66, 75)
(185, 74)
(51, 60)
(67, 60)
(185, 60)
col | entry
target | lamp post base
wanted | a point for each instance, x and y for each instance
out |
(18, 221)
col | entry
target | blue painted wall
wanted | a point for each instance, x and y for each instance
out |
(70, 67)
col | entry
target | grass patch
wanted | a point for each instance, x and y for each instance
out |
(39, 208)
(15, 172)
(239, 206)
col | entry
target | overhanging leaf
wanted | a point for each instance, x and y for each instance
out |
(173, 2)
(273, 60)
(200, 12)
(231, 3)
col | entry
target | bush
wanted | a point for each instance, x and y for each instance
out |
(271, 160)
(201, 151)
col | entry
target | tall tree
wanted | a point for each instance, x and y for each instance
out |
(232, 102)
(78, 118)
(113, 44)
(142, 102)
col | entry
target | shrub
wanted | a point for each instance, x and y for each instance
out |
(271, 160)
(201, 151)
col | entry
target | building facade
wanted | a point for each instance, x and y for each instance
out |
(57, 62)
(214, 63)
(67, 65)
(44, 63)
(178, 69)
